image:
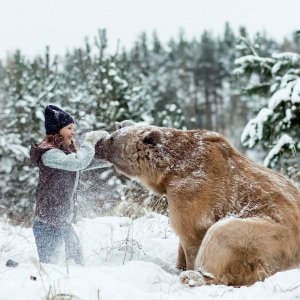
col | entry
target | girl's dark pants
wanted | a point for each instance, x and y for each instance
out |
(48, 239)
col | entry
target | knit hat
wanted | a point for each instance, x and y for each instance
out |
(56, 119)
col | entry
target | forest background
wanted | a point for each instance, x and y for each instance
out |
(245, 87)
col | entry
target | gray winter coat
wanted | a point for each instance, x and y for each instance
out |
(58, 177)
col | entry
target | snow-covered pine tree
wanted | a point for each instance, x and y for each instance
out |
(277, 124)
(296, 41)
(100, 92)
(156, 68)
(235, 110)
(27, 86)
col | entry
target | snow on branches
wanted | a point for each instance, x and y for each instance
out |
(277, 125)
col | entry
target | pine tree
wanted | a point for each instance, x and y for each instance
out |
(27, 87)
(234, 109)
(207, 74)
(276, 125)
(150, 65)
(296, 40)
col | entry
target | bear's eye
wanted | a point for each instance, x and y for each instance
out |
(111, 139)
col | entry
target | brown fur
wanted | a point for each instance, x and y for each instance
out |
(237, 221)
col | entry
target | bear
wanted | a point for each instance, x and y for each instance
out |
(238, 222)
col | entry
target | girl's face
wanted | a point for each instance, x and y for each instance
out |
(68, 133)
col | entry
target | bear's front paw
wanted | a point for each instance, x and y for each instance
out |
(192, 278)
(181, 266)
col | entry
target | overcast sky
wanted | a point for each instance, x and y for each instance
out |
(32, 24)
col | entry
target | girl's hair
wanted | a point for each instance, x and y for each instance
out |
(58, 142)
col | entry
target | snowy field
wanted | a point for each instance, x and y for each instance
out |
(125, 259)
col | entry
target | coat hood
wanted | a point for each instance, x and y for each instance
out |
(37, 150)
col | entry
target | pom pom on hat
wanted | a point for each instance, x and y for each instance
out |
(56, 119)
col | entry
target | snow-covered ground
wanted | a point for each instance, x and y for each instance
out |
(125, 259)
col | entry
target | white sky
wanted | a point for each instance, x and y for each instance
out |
(32, 24)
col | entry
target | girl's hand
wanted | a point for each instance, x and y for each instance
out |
(94, 136)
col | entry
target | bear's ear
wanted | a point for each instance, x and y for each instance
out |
(153, 137)
(124, 123)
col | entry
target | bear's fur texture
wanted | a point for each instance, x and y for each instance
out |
(237, 221)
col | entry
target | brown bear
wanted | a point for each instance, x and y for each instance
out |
(237, 221)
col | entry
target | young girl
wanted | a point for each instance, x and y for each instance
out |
(59, 164)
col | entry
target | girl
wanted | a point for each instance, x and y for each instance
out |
(59, 164)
